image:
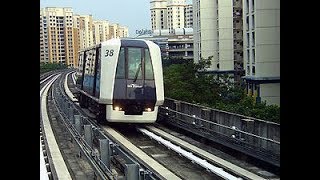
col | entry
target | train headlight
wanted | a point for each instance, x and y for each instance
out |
(117, 108)
(148, 109)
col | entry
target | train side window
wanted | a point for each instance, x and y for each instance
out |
(97, 83)
(120, 74)
(134, 63)
(93, 61)
(87, 63)
(148, 65)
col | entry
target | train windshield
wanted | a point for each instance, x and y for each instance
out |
(138, 63)
(148, 66)
(134, 63)
(120, 74)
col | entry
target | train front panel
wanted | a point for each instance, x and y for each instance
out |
(134, 90)
(109, 58)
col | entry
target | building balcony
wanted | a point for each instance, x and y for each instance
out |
(237, 4)
(237, 36)
(238, 59)
(237, 47)
(177, 54)
(237, 13)
(237, 23)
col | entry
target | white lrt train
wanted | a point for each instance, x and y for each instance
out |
(121, 80)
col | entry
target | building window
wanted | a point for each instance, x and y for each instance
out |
(253, 39)
(257, 87)
(247, 6)
(247, 23)
(253, 56)
(250, 88)
(252, 5)
(247, 88)
(253, 24)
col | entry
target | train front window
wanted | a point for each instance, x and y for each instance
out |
(148, 65)
(134, 63)
(120, 74)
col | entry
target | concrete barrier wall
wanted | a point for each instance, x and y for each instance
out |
(269, 131)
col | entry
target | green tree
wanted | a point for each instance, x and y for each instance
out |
(191, 82)
(45, 67)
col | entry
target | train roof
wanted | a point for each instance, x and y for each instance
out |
(127, 42)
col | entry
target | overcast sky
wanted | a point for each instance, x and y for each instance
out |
(135, 14)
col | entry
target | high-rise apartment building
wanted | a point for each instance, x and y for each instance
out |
(188, 11)
(218, 34)
(86, 31)
(159, 16)
(170, 14)
(63, 34)
(205, 30)
(123, 31)
(241, 35)
(76, 37)
(176, 14)
(113, 28)
(261, 30)
(100, 31)
(56, 36)
(103, 30)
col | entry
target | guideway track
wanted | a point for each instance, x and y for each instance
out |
(90, 133)
(58, 166)
(156, 167)
(203, 154)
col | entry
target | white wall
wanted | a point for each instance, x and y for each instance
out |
(209, 36)
(225, 25)
(270, 93)
(264, 22)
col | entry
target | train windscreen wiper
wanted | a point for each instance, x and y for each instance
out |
(137, 73)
